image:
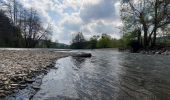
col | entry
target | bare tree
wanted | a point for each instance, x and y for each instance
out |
(28, 21)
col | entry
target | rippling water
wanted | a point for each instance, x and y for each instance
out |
(108, 75)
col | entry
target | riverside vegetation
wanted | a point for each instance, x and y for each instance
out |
(146, 26)
(21, 27)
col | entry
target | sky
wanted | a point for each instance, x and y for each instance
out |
(68, 17)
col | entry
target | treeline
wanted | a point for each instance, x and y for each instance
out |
(95, 42)
(50, 44)
(145, 22)
(21, 27)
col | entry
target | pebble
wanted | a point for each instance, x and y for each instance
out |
(17, 67)
(162, 52)
(29, 80)
(23, 86)
(2, 94)
(36, 87)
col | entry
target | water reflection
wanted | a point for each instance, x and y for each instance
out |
(78, 62)
(108, 75)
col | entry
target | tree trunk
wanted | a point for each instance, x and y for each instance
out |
(139, 37)
(155, 22)
(145, 29)
(154, 38)
(145, 41)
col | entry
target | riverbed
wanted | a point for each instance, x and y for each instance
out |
(108, 75)
(19, 66)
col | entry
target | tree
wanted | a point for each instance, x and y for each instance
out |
(104, 41)
(35, 31)
(147, 16)
(78, 42)
(93, 42)
(27, 21)
(7, 36)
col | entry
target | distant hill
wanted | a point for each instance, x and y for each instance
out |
(62, 46)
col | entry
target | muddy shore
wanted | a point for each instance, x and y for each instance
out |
(18, 67)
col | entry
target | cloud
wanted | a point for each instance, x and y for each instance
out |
(101, 10)
(72, 23)
(92, 17)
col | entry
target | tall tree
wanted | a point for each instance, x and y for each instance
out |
(147, 15)
(105, 41)
(78, 42)
(7, 37)
(27, 21)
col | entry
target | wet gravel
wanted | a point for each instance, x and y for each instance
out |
(19, 67)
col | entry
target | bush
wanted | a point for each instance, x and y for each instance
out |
(134, 45)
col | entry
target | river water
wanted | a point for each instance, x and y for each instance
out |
(108, 75)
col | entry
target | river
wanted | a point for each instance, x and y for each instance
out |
(108, 75)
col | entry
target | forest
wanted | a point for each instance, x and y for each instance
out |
(22, 27)
(95, 42)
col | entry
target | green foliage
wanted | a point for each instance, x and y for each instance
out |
(165, 40)
(92, 44)
(146, 16)
(128, 38)
(96, 42)
(116, 43)
(105, 41)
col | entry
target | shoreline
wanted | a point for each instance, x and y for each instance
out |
(32, 87)
(19, 68)
(162, 51)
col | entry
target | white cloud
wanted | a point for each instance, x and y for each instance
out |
(71, 16)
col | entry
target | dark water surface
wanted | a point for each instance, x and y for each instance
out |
(108, 75)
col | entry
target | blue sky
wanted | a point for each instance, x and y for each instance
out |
(68, 17)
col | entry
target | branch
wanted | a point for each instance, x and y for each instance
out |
(158, 27)
(168, 22)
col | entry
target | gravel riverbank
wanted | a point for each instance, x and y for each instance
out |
(18, 67)
(162, 51)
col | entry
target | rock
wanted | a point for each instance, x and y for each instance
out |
(51, 65)
(14, 84)
(29, 80)
(22, 82)
(4, 79)
(35, 87)
(18, 67)
(22, 86)
(166, 52)
(2, 94)
(158, 52)
(83, 55)
(1, 81)
(2, 91)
